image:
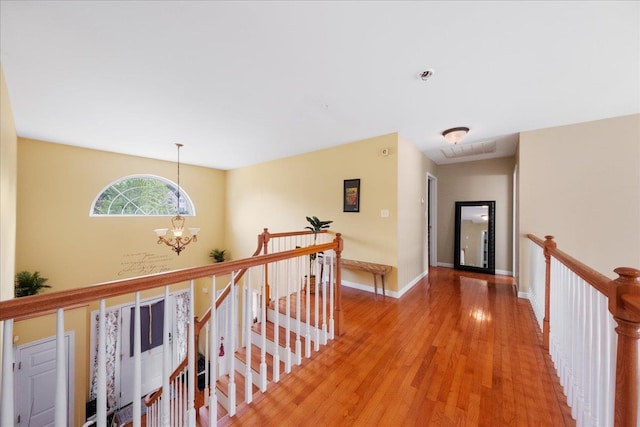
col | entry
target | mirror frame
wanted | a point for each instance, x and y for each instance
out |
(491, 264)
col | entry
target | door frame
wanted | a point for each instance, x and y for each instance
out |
(69, 337)
(432, 220)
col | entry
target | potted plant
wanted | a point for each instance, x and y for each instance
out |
(28, 283)
(315, 225)
(218, 255)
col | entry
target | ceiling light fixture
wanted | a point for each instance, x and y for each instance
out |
(455, 135)
(180, 239)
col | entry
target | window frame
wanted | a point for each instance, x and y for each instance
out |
(183, 195)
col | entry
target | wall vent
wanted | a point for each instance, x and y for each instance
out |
(471, 149)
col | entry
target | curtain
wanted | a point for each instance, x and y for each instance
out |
(182, 304)
(112, 322)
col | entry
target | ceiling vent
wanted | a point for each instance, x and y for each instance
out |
(471, 149)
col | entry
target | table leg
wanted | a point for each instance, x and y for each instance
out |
(384, 291)
(375, 284)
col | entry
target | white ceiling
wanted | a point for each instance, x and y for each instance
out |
(244, 82)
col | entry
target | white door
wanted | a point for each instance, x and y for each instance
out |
(35, 394)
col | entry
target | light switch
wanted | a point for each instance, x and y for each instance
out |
(384, 213)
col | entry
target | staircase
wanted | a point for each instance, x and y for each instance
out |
(297, 340)
(248, 348)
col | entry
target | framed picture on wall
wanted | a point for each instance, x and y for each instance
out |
(351, 195)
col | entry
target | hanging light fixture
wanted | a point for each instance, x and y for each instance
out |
(180, 238)
(455, 135)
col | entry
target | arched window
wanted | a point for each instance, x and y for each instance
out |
(141, 195)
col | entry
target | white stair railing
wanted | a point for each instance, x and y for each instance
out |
(582, 346)
(590, 328)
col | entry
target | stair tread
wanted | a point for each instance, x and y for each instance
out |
(270, 329)
(256, 359)
(282, 306)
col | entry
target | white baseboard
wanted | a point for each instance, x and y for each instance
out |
(366, 288)
(524, 295)
(392, 294)
(412, 283)
(502, 272)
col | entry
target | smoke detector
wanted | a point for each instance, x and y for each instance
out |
(425, 75)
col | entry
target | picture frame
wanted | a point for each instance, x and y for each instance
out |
(351, 195)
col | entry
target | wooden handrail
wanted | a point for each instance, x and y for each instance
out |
(38, 304)
(535, 239)
(588, 274)
(263, 239)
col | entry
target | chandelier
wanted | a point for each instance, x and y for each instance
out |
(181, 237)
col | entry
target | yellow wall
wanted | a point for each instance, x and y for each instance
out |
(281, 193)
(480, 180)
(581, 183)
(413, 166)
(56, 236)
(8, 173)
(8, 170)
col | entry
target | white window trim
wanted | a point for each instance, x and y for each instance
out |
(183, 194)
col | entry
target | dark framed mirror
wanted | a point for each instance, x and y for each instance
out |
(475, 237)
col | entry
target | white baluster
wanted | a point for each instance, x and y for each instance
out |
(307, 313)
(276, 323)
(263, 332)
(101, 398)
(6, 403)
(298, 351)
(233, 330)
(213, 362)
(325, 275)
(248, 318)
(192, 354)
(287, 337)
(332, 286)
(166, 363)
(137, 363)
(316, 315)
(61, 371)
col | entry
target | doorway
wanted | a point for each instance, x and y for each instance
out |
(35, 382)
(432, 223)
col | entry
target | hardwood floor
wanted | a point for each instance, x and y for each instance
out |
(458, 349)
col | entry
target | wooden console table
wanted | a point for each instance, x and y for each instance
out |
(369, 267)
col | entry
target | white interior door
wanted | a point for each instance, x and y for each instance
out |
(35, 394)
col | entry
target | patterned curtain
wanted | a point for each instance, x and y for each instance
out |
(182, 321)
(112, 322)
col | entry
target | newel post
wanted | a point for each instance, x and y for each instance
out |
(628, 329)
(548, 244)
(339, 318)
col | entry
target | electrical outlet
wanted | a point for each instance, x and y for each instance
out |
(384, 213)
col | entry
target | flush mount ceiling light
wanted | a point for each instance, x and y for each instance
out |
(455, 135)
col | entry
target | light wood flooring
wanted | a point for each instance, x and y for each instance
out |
(459, 349)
